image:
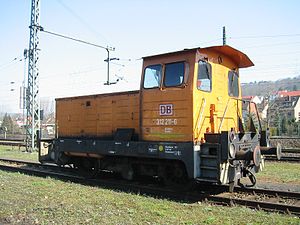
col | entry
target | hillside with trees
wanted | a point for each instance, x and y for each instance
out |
(266, 88)
(280, 115)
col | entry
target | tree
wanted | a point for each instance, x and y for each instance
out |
(284, 124)
(295, 87)
(7, 124)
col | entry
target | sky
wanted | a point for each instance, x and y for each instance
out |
(267, 31)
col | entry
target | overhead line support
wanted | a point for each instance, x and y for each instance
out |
(32, 90)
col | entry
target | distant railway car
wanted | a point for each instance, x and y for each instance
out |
(185, 123)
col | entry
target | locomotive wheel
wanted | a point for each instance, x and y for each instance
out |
(175, 174)
(88, 167)
(127, 172)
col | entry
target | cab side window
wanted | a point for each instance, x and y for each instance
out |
(204, 82)
(152, 76)
(233, 84)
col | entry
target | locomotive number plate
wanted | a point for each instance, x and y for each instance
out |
(165, 122)
(166, 110)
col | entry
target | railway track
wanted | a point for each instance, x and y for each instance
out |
(288, 155)
(19, 143)
(269, 200)
(284, 138)
(283, 158)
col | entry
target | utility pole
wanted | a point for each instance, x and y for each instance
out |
(32, 91)
(224, 35)
(108, 62)
(23, 90)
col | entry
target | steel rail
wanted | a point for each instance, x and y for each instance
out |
(12, 139)
(291, 150)
(12, 143)
(283, 137)
(293, 159)
(27, 162)
(269, 192)
(16, 142)
(267, 206)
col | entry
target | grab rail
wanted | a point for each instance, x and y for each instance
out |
(199, 119)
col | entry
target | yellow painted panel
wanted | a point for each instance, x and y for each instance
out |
(97, 115)
(225, 116)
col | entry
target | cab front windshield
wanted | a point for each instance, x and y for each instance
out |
(173, 75)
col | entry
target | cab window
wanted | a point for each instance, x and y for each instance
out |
(152, 76)
(204, 76)
(233, 84)
(174, 74)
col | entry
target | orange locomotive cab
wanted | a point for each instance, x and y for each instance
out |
(183, 124)
(192, 85)
(166, 97)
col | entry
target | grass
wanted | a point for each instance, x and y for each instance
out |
(280, 172)
(15, 153)
(32, 200)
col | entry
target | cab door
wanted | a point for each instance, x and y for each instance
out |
(166, 100)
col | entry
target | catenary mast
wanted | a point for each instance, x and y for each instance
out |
(32, 92)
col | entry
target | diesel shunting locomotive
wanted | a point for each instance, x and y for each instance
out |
(185, 123)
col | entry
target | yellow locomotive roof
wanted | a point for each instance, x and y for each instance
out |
(240, 59)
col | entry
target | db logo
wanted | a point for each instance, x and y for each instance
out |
(166, 110)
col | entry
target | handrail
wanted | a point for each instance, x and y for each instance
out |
(224, 115)
(199, 119)
(260, 127)
(237, 99)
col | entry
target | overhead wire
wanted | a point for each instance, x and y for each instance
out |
(278, 53)
(75, 39)
(277, 65)
(17, 59)
(282, 68)
(270, 45)
(4, 64)
(265, 36)
(75, 72)
(11, 63)
(81, 20)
